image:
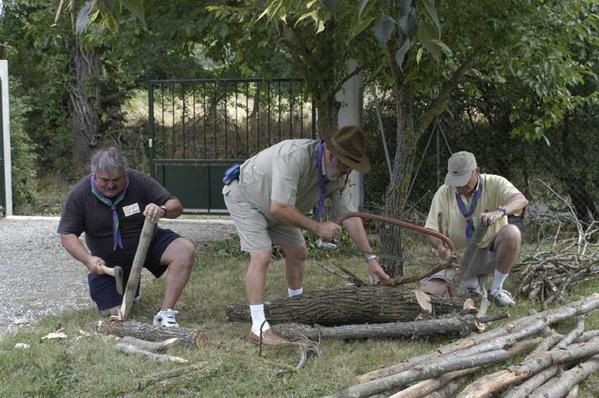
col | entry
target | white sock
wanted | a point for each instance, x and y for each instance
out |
(295, 292)
(258, 319)
(498, 280)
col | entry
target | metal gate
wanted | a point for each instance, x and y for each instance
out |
(198, 128)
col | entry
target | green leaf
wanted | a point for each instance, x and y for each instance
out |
(135, 7)
(426, 36)
(432, 12)
(400, 55)
(407, 23)
(360, 26)
(443, 47)
(383, 28)
(419, 55)
(83, 17)
(311, 14)
(363, 4)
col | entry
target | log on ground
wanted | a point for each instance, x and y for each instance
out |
(348, 306)
(460, 325)
(188, 338)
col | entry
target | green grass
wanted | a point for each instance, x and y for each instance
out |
(91, 367)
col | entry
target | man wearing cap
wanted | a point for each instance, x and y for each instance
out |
(270, 199)
(469, 199)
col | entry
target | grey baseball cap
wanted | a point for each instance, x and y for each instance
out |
(460, 167)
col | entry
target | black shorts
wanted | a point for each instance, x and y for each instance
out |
(102, 288)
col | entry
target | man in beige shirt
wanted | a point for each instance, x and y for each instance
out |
(467, 200)
(269, 201)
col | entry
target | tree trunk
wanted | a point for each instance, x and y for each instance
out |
(347, 306)
(398, 189)
(84, 103)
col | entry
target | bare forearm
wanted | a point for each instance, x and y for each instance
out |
(173, 207)
(436, 242)
(515, 203)
(73, 245)
(357, 233)
(290, 215)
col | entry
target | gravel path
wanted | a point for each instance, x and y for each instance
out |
(40, 278)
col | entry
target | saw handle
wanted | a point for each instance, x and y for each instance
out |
(395, 221)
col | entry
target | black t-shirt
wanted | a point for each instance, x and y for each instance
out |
(83, 212)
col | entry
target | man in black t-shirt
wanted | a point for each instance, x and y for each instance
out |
(110, 206)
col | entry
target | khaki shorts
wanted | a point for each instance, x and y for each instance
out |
(256, 232)
(483, 265)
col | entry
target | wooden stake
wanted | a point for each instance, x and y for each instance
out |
(138, 263)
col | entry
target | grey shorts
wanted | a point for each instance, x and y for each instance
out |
(256, 232)
(483, 265)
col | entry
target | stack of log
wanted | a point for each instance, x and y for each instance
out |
(444, 371)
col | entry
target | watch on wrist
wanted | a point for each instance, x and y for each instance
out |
(370, 257)
(503, 210)
(163, 207)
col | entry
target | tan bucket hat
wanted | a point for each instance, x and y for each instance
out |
(348, 145)
(460, 167)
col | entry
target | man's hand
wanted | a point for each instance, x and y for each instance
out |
(444, 253)
(94, 265)
(376, 272)
(154, 212)
(489, 217)
(328, 230)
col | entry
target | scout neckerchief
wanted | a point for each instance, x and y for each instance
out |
(467, 213)
(322, 180)
(116, 233)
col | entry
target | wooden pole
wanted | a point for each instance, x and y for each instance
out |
(138, 263)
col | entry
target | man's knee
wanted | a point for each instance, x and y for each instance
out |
(296, 253)
(510, 233)
(260, 259)
(182, 253)
(435, 287)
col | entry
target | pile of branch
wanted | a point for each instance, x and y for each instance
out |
(549, 273)
(442, 372)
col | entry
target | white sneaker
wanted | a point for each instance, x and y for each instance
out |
(166, 318)
(502, 298)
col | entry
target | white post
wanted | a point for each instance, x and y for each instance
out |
(350, 114)
(6, 136)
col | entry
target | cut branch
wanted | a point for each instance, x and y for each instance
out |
(144, 331)
(459, 325)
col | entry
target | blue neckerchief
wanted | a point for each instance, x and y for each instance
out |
(116, 233)
(467, 213)
(322, 180)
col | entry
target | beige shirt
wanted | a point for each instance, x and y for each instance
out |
(287, 172)
(496, 191)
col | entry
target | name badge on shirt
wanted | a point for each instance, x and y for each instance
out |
(131, 209)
